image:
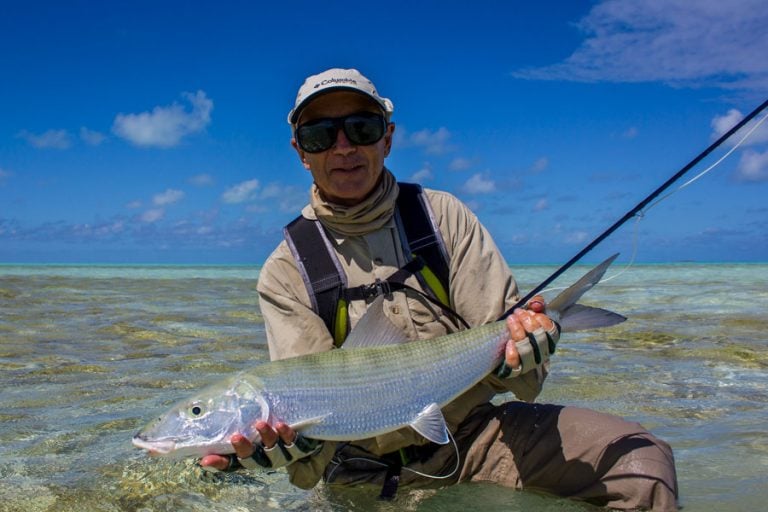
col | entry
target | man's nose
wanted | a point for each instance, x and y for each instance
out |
(343, 145)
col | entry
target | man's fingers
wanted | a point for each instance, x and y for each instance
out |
(532, 321)
(516, 329)
(511, 355)
(537, 304)
(529, 329)
(286, 433)
(516, 332)
(215, 461)
(267, 433)
(545, 322)
(526, 318)
(243, 447)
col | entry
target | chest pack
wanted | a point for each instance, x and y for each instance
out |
(326, 281)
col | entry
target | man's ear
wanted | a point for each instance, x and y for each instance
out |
(388, 138)
(301, 153)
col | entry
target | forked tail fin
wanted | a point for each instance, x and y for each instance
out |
(574, 317)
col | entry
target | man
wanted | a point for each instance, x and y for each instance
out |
(342, 132)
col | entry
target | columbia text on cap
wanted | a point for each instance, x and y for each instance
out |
(337, 80)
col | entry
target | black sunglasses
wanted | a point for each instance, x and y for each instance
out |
(361, 128)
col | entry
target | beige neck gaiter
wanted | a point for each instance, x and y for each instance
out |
(362, 218)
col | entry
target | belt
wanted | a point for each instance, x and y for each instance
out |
(412, 453)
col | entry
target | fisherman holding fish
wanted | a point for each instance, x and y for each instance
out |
(365, 235)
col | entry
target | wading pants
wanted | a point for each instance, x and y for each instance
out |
(566, 451)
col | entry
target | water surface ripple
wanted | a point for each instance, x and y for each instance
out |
(89, 354)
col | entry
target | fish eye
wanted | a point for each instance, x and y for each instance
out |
(196, 410)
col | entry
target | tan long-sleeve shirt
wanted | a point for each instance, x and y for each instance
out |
(481, 288)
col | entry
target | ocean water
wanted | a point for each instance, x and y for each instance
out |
(90, 354)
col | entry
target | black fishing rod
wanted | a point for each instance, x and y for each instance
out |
(631, 213)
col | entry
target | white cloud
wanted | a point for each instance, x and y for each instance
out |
(422, 175)
(477, 184)
(133, 205)
(721, 125)
(91, 137)
(289, 198)
(201, 180)
(576, 237)
(4, 175)
(165, 126)
(460, 164)
(434, 143)
(679, 42)
(541, 205)
(153, 215)
(753, 166)
(274, 190)
(241, 192)
(170, 196)
(52, 139)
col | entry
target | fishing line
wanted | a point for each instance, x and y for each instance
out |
(442, 477)
(639, 208)
(641, 214)
(707, 170)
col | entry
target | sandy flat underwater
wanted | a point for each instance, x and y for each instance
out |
(90, 354)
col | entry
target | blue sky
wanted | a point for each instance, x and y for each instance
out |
(155, 132)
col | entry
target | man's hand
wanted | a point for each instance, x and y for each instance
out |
(532, 338)
(279, 446)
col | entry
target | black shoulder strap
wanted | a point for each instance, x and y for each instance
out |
(323, 276)
(421, 231)
(318, 266)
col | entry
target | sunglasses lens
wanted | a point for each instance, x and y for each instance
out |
(364, 130)
(317, 136)
(361, 129)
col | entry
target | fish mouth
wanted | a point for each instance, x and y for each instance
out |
(153, 447)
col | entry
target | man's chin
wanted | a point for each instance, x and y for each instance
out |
(349, 194)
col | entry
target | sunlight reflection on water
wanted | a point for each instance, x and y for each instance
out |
(90, 354)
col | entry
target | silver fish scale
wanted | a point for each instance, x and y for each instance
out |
(365, 392)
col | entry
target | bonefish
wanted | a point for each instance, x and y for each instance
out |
(377, 383)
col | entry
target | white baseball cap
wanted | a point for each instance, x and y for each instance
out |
(337, 80)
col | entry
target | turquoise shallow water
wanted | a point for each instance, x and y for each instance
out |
(89, 354)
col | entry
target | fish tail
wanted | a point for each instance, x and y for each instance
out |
(574, 317)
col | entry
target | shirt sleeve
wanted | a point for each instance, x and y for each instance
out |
(293, 328)
(306, 473)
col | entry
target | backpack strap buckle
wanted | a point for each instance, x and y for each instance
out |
(377, 288)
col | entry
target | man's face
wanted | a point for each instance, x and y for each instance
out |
(345, 173)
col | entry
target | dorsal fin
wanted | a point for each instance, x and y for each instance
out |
(374, 329)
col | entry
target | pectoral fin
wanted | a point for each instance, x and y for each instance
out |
(309, 422)
(431, 424)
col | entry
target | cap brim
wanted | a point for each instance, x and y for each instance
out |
(294, 114)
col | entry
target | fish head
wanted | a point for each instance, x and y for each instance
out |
(204, 423)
